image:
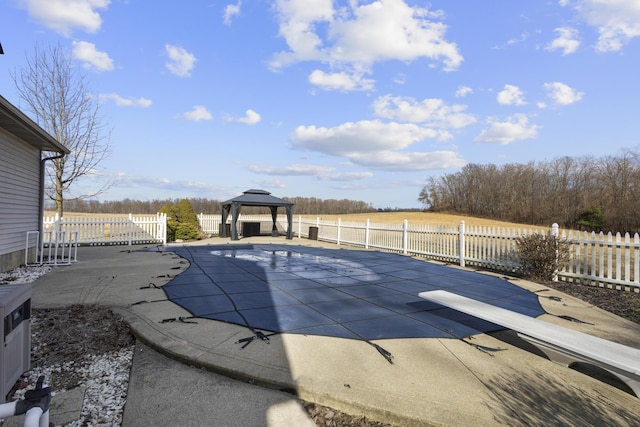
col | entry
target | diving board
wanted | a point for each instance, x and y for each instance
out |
(562, 345)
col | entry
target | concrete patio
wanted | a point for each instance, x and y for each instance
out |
(432, 381)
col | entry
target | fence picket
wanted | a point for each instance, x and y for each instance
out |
(596, 259)
(108, 230)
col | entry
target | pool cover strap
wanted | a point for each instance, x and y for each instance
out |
(258, 335)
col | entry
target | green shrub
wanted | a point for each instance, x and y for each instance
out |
(182, 221)
(542, 256)
(187, 231)
(591, 219)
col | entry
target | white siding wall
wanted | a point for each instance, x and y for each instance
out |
(19, 196)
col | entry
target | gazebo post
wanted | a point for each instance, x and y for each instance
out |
(223, 225)
(290, 222)
(274, 217)
(235, 212)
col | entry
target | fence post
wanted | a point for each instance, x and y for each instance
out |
(405, 225)
(161, 228)
(461, 244)
(56, 229)
(555, 231)
(130, 229)
(338, 234)
(366, 235)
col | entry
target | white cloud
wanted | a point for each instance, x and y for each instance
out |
(63, 16)
(91, 57)
(463, 91)
(430, 111)
(180, 61)
(354, 37)
(513, 41)
(562, 94)
(250, 118)
(198, 113)
(348, 176)
(340, 81)
(230, 11)
(400, 79)
(125, 102)
(359, 137)
(523, 37)
(567, 40)
(270, 183)
(297, 19)
(414, 161)
(511, 95)
(375, 144)
(325, 173)
(617, 21)
(128, 181)
(294, 170)
(515, 128)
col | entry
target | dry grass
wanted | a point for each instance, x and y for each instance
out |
(88, 215)
(421, 218)
(374, 217)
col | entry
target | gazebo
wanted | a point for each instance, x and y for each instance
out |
(255, 198)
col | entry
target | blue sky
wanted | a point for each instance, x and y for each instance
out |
(358, 100)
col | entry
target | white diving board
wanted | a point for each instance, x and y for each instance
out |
(562, 345)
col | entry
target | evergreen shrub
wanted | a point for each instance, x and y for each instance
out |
(591, 219)
(182, 221)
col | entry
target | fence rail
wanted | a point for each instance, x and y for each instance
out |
(607, 260)
(103, 230)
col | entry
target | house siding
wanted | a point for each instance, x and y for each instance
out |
(19, 198)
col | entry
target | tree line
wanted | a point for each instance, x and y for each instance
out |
(565, 190)
(302, 206)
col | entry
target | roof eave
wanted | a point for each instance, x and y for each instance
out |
(16, 122)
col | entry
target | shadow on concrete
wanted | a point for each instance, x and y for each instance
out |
(541, 400)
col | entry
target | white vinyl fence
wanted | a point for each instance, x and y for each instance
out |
(58, 243)
(609, 260)
(599, 259)
(105, 230)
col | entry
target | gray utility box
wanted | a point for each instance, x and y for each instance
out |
(15, 330)
(250, 229)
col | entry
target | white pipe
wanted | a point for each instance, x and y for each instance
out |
(32, 417)
(8, 409)
(44, 419)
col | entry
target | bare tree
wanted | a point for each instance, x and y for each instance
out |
(57, 95)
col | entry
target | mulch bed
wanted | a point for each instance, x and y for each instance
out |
(625, 304)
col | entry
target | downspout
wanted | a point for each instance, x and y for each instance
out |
(42, 173)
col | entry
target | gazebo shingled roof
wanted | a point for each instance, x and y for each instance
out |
(255, 198)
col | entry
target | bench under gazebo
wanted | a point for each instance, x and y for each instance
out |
(255, 198)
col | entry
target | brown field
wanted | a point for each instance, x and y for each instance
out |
(374, 217)
(87, 215)
(422, 218)
(48, 214)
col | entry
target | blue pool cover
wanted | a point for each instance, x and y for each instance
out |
(355, 294)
